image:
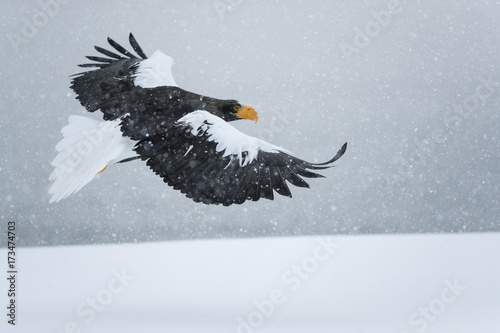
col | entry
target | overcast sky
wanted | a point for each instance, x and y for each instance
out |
(413, 86)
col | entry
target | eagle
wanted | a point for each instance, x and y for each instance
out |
(184, 137)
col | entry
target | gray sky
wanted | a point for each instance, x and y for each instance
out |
(412, 86)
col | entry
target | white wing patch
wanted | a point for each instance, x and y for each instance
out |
(228, 139)
(155, 71)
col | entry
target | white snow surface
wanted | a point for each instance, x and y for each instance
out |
(399, 283)
(229, 140)
(155, 71)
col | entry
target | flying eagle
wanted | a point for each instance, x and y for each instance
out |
(185, 138)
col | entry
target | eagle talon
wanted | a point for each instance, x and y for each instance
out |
(102, 170)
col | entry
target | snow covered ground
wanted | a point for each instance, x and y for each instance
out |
(398, 283)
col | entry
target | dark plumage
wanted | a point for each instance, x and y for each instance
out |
(183, 136)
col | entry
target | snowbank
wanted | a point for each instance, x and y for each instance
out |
(405, 283)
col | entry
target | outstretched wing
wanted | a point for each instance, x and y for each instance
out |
(212, 162)
(122, 82)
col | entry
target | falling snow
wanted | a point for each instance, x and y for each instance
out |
(414, 87)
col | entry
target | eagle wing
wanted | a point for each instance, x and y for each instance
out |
(212, 162)
(123, 82)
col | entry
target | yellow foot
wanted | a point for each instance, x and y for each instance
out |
(102, 169)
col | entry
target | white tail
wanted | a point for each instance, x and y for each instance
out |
(87, 147)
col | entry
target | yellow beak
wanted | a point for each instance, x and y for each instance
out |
(247, 112)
